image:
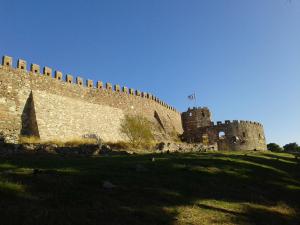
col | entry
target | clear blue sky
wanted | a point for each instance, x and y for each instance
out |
(242, 58)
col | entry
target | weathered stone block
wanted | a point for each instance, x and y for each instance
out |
(131, 91)
(34, 68)
(90, 83)
(7, 61)
(69, 78)
(99, 84)
(137, 93)
(125, 90)
(79, 81)
(117, 88)
(47, 71)
(109, 86)
(22, 65)
(58, 75)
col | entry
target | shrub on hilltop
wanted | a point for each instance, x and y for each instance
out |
(274, 147)
(138, 131)
(291, 147)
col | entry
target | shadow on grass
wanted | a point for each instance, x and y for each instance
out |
(69, 190)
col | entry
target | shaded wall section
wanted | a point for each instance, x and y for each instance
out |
(28, 118)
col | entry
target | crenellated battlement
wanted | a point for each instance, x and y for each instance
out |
(35, 69)
(197, 109)
(235, 122)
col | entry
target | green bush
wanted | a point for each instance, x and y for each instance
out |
(138, 131)
(291, 147)
(274, 147)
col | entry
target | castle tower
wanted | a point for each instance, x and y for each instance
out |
(229, 135)
(195, 118)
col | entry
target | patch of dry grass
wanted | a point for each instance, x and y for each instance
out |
(80, 141)
(29, 140)
(122, 145)
(119, 145)
(68, 143)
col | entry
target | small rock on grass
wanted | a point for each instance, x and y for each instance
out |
(108, 185)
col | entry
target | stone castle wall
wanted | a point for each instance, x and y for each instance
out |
(35, 103)
(238, 135)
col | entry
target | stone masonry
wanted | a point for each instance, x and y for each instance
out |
(53, 108)
(230, 135)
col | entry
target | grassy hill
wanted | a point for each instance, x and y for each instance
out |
(202, 188)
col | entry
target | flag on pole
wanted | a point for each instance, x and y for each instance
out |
(192, 96)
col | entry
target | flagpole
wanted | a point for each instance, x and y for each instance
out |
(193, 98)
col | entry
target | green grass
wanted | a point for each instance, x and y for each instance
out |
(202, 188)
